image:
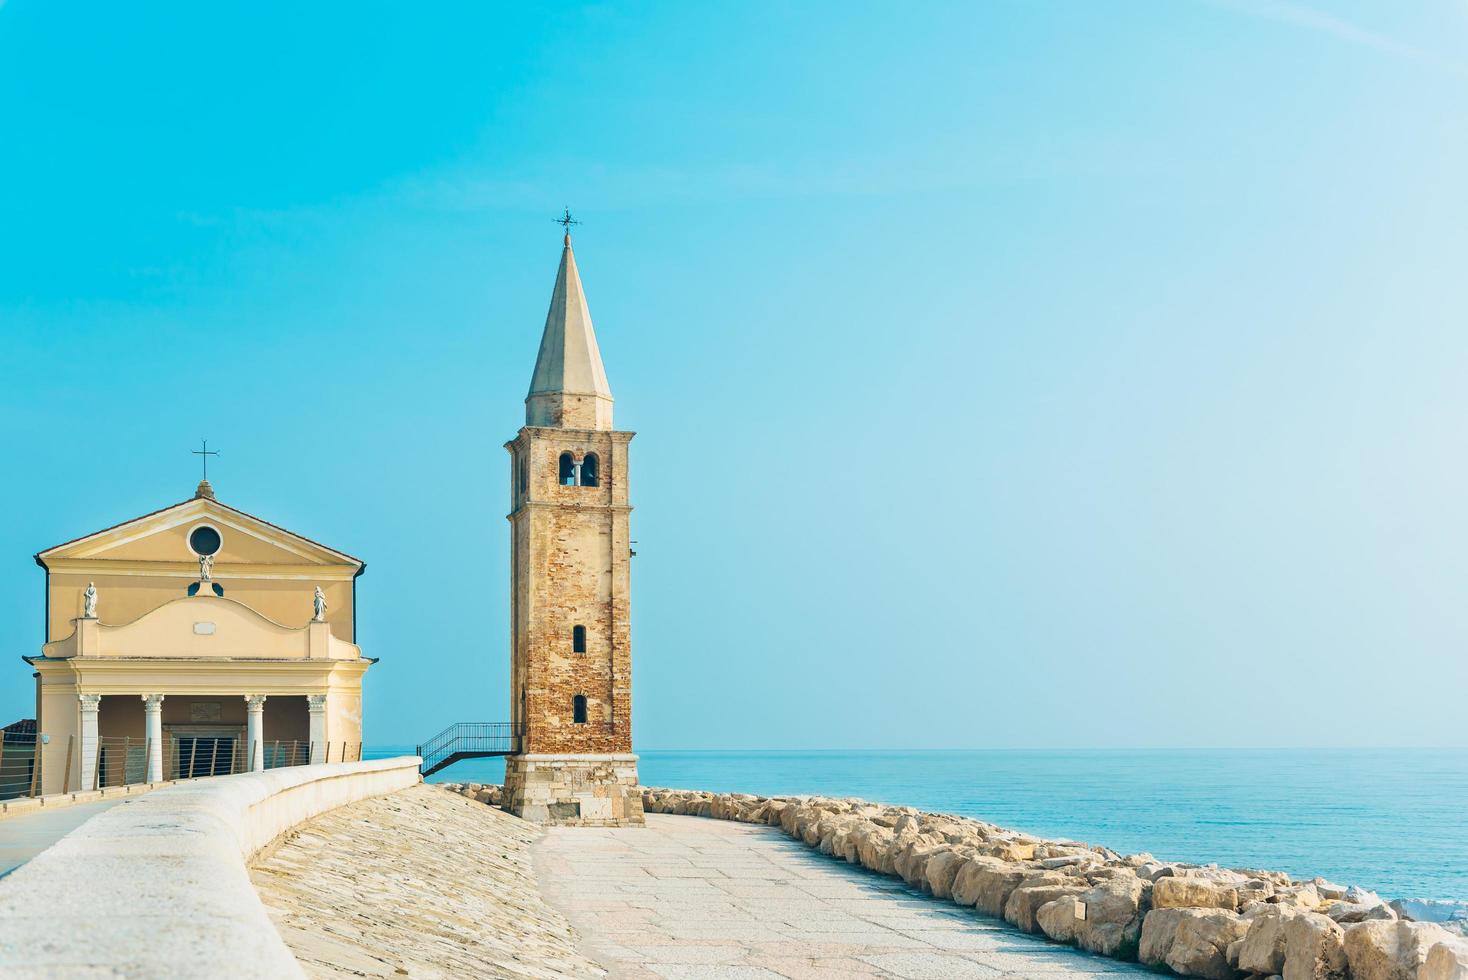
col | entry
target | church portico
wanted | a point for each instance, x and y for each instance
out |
(157, 732)
(201, 681)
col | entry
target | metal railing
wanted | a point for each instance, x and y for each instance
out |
(123, 760)
(19, 768)
(470, 740)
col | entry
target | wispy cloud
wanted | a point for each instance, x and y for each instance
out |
(1317, 21)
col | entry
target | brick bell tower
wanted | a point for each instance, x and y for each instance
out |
(570, 634)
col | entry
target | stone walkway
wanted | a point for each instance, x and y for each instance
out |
(25, 835)
(422, 883)
(689, 897)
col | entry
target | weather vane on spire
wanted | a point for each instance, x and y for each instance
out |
(566, 221)
(206, 452)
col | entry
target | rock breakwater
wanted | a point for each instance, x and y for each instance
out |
(1195, 920)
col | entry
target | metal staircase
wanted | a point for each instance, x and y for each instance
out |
(469, 740)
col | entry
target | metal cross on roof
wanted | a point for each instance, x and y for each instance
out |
(206, 452)
(565, 220)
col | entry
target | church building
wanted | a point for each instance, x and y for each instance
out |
(195, 640)
(570, 557)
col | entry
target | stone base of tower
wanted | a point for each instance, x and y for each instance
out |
(574, 790)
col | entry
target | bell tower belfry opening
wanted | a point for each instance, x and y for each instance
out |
(570, 635)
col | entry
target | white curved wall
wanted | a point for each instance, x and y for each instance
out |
(157, 886)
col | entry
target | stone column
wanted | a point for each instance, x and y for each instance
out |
(153, 734)
(88, 739)
(255, 732)
(317, 704)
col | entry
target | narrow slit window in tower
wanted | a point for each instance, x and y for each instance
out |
(578, 709)
(578, 639)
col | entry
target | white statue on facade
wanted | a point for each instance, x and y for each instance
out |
(318, 604)
(89, 601)
(206, 568)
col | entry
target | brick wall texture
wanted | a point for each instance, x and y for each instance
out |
(569, 559)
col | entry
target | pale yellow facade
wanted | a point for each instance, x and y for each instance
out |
(264, 663)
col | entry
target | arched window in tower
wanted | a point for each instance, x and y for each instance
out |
(568, 470)
(578, 709)
(590, 471)
(578, 639)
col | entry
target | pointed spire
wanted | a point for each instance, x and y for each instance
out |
(569, 388)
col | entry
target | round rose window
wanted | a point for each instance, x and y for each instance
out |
(204, 540)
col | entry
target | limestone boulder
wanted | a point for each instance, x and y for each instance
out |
(720, 807)
(1107, 872)
(974, 879)
(772, 812)
(966, 835)
(1194, 893)
(1025, 900)
(836, 840)
(788, 817)
(912, 860)
(806, 822)
(942, 868)
(1061, 919)
(1065, 861)
(834, 828)
(1389, 949)
(1253, 891)
(874, 846)
(1010, 850)
(995, 886)
(1302, 896)
(1191, 941)
(1347, 912)
(1105, 919)
(1152, 870)
(1263, 946)
(1451, 915)
(1446, 960)
(1314, 946)
(858, 837)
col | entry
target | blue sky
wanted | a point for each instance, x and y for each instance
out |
(1005, 374)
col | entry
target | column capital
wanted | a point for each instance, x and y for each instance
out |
(152, 702)
(90, 702)
(255, 702)
(316, 702)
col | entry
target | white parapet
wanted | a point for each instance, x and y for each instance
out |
(157, 885)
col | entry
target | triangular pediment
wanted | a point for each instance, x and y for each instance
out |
(162, 536)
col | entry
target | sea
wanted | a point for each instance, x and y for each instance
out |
(1391, 820)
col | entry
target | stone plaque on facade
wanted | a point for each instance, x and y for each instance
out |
(204, 711)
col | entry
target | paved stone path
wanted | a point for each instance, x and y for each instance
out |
(690, 897)
(24, 836)
(421, 883)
